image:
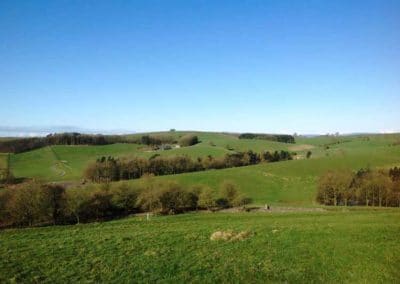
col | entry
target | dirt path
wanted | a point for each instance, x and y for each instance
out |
(275, 209)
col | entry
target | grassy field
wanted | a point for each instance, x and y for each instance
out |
(336, 247)
(289, 182)
(294, 182)
(3, 161)
(344, 245)
(68, 162)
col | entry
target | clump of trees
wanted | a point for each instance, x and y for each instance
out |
(272, 137)
(157, 140)
(19, 145)
(188, 140)
(34, 203)
(364, 187)
(108, 169)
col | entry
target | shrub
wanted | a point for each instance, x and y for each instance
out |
(188, 140)
(206, 198)
(125, 197)
(167, 198)
(229, 192)
(241, 201)
(54, 202)
(148, 199)
(26, 205)
(77, 198)
(99, 204)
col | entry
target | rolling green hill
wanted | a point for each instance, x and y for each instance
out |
(325, 247)
(61, 162)
(3, 160)
(333, 245)
(289, 182)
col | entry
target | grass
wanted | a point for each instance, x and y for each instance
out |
(68, 162)
(291, 182)
(341, 245)
(3, 161)
(336, 247)
(294, 182)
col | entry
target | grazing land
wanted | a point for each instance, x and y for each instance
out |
(74, 159)
(298, 240)
(288, 182)
(3, 161)
(352, 246)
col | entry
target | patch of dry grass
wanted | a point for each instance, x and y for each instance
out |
(229, 236)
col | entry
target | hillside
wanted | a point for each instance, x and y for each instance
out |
(61, 162)
(332, 247)
(288, 182)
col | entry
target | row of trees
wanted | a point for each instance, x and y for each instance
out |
(364, 187)
(272, 137)
(108, 169)
(20, 145)
(157, 140)
(36, 203)
(26, 144)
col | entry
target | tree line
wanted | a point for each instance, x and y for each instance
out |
(157, 140)
(20, 145)
(365, 187)
(34, 203)
(108, 169)
(272, 137)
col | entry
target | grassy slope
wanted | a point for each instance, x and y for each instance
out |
(3, 160)
(290, 182)
(334, 247)
(353, 246)
(73, 159)
(294, 182)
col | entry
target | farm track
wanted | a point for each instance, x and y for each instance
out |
(60, 165)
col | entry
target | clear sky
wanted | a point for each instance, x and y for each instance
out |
(265, 66)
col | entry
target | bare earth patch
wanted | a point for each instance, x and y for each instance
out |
(273, 209)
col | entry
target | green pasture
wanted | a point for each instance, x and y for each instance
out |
(360, 246)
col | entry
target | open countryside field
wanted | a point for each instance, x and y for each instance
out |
(358, 246)
(297, 241)
(3, 161)
(288, 182)
(68, 162)
(294, 182)
(209, 142)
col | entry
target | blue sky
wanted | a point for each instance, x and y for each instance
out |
(265, 66)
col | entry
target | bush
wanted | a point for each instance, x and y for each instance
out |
(206, 198)
(99, 204)
(77, 198)
(228, 192)
(188, 140)
(167, 198)
(26, 205)
(125, 197)
(54, 202)
(241, 201)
